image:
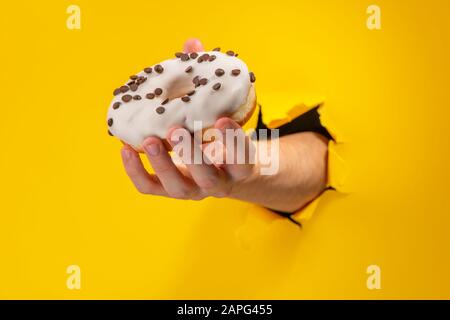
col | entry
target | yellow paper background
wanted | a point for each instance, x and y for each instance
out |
(65, 199)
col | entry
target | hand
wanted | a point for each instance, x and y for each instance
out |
(191, 181)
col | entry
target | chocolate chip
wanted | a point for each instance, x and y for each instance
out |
(186, 99)
(196, 80)
(184, 57)
(133, 77)
(130, 83)
(159, 68)
(124, 89)
(109, 132)
(178, 54)
(235, 72)
(200, 59)
(165, 101)
(150, 95)
(191, 93)
(141, 80)
(205, 57)
(148, 70)
(203, 81)
(188, 69)
(134, 87)
(137, 97)
(212, 58)
(127, 98)
(236, 55)
(110, 122)
(219, 72)
(230, 53)
(116, 105)
(217, 86)
(116, 91)
(160, 110)
(158, 91)
(252, 77)
(194, 55)
(216, 49)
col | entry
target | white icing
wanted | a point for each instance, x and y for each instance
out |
(136, 120)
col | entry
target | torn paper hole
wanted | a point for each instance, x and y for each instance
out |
(259, 223)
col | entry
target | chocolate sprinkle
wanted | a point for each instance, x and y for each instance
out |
(235, 72)
(178, 54)
(194, 55)
(137, 97)
(158, 91)
(252, 77)
(160, 110)
(212, 58)
(159, 68)
(141, 80)
(117, 91)
(230, 53)
(203, 81)
(205, 57)
(150, 95)
(200, 59)
(191, 93)
(127, 98)
(165, 101)
(196, 80)
(188, 69)
(133, 87)
(216, 49)
(148, 70)
(133, 77)
(131, 82)
(116, 105)
(124, 89)
(184, 57)
(186, 99)
(217, 86)
(110, 122)
(219, 72)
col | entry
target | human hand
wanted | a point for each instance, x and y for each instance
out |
(190, 180)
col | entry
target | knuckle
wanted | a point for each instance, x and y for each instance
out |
(222, 193)
(132, 172)
(208, 183)
(162, 168)
(198, 197)
(182, 194)
(240, 172)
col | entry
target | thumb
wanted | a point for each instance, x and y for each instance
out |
(192, 45)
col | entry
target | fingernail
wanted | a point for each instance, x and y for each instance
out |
(126, 154)
(152, 149)
(174, 139)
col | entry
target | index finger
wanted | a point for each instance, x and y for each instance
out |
(193, 45)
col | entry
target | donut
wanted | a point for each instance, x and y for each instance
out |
(192, 87)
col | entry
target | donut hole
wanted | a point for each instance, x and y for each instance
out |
(179, 88)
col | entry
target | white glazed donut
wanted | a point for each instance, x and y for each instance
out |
(201, 86)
